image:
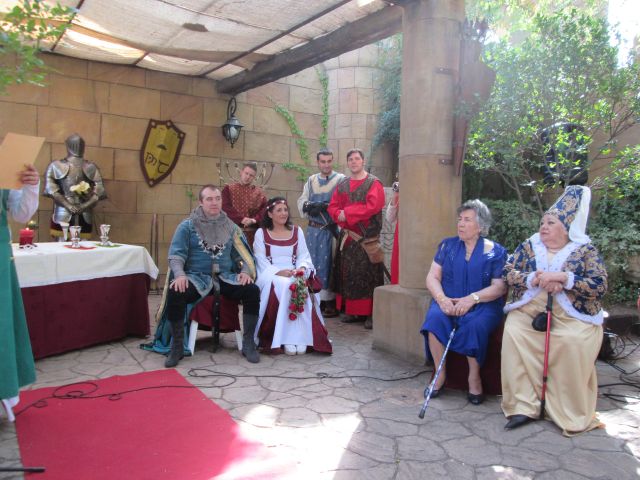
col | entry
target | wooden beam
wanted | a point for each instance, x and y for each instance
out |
(365, 31)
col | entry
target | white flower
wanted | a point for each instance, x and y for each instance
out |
(80, 188)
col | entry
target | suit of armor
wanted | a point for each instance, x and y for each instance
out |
(71, 206)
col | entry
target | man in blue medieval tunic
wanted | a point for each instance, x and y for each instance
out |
(206, 242)
(321, 231)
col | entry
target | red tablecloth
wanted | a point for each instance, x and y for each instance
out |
(72, 315)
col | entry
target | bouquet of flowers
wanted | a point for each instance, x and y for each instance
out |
(81, 189)
(299, 294)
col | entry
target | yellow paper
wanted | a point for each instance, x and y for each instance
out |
(15, 152)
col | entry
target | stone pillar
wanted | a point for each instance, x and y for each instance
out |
(429, 190)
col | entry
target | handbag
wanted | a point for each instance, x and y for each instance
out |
(373, 248)
(314, 284)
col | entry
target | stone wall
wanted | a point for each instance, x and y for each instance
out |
(110, 106)
(354, 108)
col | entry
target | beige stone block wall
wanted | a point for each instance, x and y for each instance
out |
(354, 108)
(18, 118)
(110, 107)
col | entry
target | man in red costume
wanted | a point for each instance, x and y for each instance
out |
(245, 203)
(356, 206)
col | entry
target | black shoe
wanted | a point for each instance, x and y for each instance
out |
(436, 392)
(353, 319)
(517, 421)
(368, 323)
(475, 399)
(174, 357)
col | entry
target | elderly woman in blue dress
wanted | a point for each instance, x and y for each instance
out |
(465, 281)
(558, 260)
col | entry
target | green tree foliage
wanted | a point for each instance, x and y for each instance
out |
(509, 19)
(616, 225)
(564, 70)
(390, 64)
(23, 30)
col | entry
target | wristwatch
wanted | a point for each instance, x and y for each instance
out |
(475, 297)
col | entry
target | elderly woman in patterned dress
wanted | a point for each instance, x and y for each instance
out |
(558, 260)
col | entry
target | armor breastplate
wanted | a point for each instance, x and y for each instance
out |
(61, 175)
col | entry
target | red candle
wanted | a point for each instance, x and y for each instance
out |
(26, 236)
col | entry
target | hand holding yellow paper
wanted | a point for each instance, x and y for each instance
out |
(17, 151)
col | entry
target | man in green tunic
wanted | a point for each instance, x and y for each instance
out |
(16, 359)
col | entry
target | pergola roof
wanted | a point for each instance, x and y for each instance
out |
(221, 39)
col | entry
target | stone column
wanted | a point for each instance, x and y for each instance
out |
(429, 190)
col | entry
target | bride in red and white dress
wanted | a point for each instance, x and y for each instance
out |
(289, 316)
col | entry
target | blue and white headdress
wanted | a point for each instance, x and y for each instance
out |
(572, 209)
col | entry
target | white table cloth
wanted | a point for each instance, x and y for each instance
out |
(50, 263)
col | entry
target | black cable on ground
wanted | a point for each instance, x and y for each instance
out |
(616, 354)
(80, 393)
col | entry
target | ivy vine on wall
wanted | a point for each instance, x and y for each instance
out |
(303, 146)
(324, 81)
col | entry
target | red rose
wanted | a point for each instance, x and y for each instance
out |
(299, 273)
(292, 287)
(292, 316)
(293, 307)
(301, 309)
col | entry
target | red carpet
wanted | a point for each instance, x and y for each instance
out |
(172, 433)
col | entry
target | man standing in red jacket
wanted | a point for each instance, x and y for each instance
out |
(356, 206)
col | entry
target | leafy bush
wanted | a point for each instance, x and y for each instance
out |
(390, 65)
(616, 223)
(512, 222)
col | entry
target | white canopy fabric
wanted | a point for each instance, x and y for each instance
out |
(210, 38)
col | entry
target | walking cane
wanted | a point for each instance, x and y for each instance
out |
(545, 369)
(429, 390)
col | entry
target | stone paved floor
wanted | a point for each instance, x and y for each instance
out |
(358, 427)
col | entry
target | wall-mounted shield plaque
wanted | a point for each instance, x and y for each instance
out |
(160, 150)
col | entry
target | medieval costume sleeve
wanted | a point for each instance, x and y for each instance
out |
(587, 275)
(241, 255)
(229, 209)
(391, 214)
(520, 267)
(23, 203)
(374, 204)
(262, 208)
(357, 212)
(336, 204)
(304, 198)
